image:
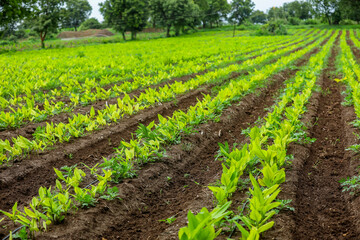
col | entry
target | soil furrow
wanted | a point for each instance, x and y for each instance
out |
(321, 209)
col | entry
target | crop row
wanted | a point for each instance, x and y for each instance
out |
(281, 127)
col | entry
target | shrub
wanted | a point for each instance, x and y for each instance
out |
(91, 23)
(311, 22)
(272, 28)
(347, 22)
(294, 21)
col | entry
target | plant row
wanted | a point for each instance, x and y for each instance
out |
(266, 149)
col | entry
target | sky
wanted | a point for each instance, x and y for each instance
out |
(262, 5)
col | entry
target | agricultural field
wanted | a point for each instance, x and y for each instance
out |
(202, 136)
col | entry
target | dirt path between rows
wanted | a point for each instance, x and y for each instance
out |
(321, 210)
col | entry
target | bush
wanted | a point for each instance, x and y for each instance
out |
(91, 23)
(272, 28)
(294, 21)
(347, 22)
(311, 22)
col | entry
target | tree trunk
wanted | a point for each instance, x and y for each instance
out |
(75, 29)
(329, 19)
(204, 24)
(123, 35)
(177, 30)
(42, 38)
(211, 24)
(234, 30)
(168, 31)
(133, 35)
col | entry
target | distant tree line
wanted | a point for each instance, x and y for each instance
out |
(46, 16)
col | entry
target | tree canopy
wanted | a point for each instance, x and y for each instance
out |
(75, 13)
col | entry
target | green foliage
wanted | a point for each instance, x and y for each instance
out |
(241, 10)
(75, 13)
(169, 220)
(351, 185)
(14, 10)
(347, 22)
(91, 23)
(45, 17)
(201, 226)
(126, 15)
(175, 13)
(258, 17)
(272, 28)
(294, 21)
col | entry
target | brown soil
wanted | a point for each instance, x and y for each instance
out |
(86, 33)
(21, 182)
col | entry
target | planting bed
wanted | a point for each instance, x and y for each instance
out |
(277, 97)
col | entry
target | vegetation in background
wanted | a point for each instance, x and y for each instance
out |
(75, 13)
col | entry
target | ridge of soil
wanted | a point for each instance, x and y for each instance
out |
(86, 33)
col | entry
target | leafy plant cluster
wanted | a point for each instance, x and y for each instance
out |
(52, 205)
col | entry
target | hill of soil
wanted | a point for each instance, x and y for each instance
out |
(86, 33)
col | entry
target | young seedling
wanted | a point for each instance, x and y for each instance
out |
(169, 220)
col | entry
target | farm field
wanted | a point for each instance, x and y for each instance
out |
(197, 137)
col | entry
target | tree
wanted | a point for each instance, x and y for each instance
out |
(203, 7)
(258, 17)
(217, 9)
(326, 8)
(298, 9)
(350, 9)
(91, 23)
(76, 12)
(125, 15)
(241, 10)
(46, 17)
(12, 11)
(275, 13)
(176, 13)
